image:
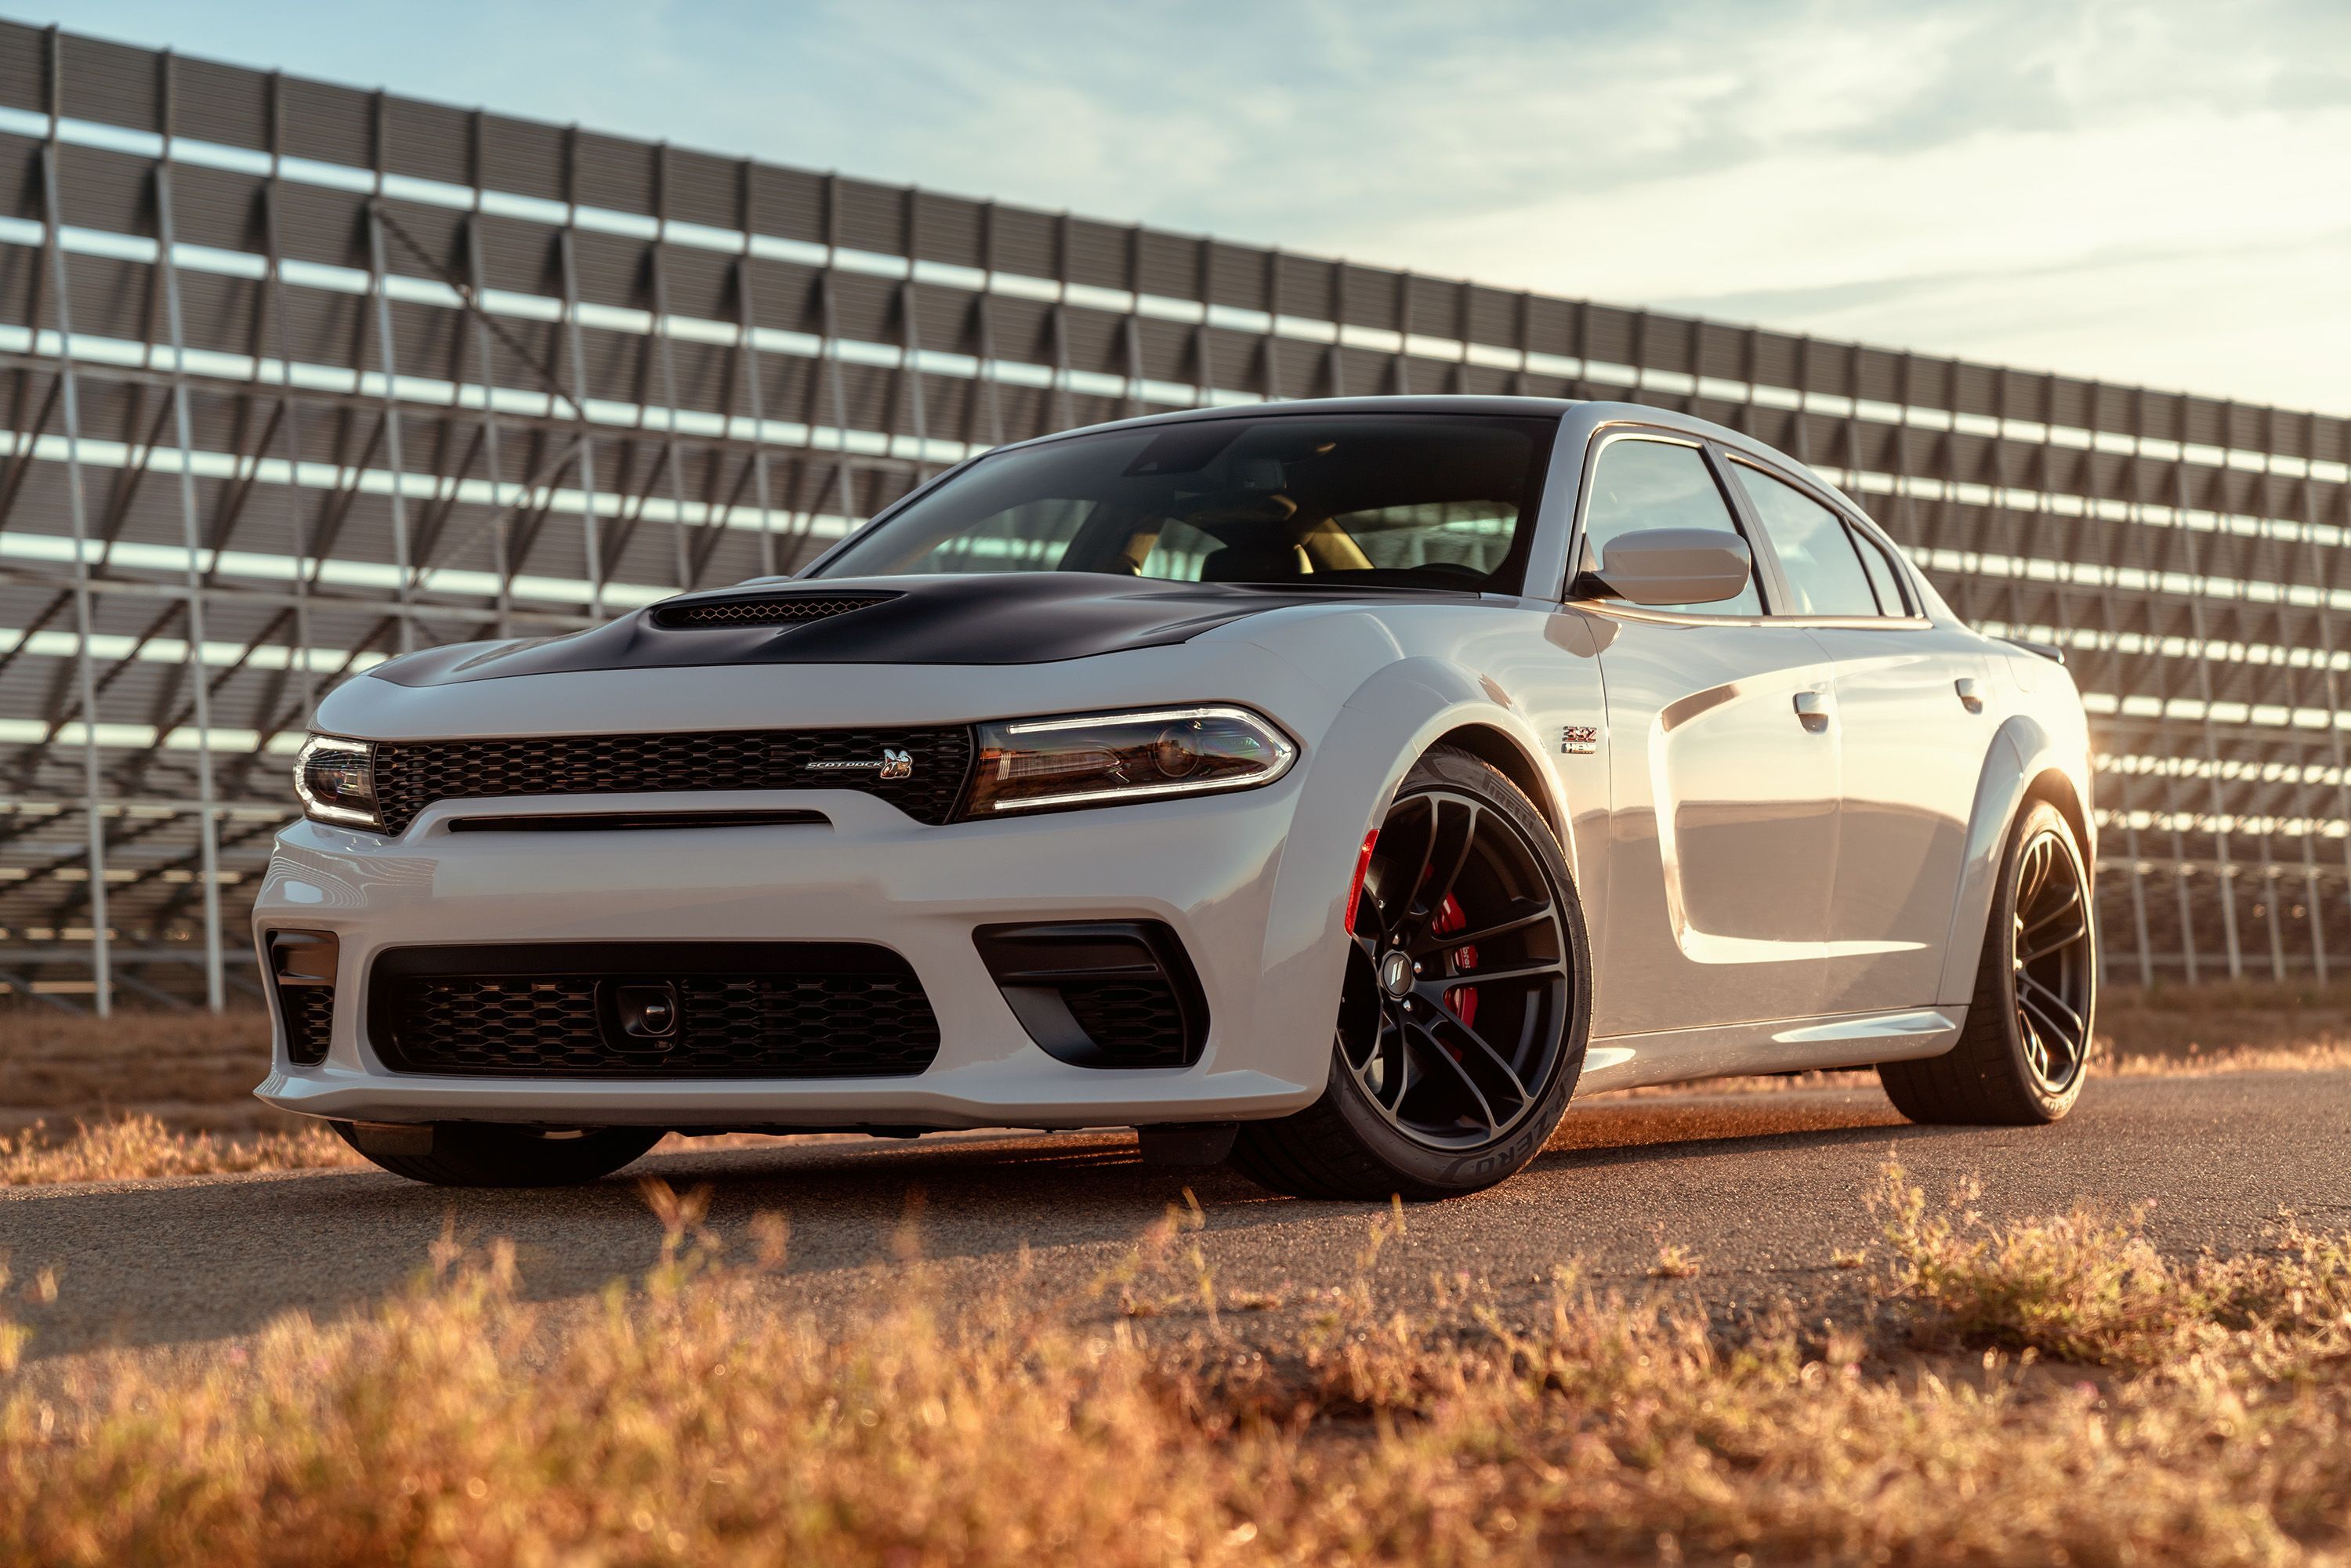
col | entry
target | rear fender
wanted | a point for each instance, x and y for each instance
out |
(2022, 752)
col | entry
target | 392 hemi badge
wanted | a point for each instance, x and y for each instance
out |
(1579, 740)
(891, 764)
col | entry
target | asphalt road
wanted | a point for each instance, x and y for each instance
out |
(1763, 1188)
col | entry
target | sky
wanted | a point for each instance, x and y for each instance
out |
(2150, 191)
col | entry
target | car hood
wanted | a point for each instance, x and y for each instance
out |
(1008, 618)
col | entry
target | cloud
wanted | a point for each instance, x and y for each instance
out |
(2119, 188)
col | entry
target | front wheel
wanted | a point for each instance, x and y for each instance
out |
(2025, 1051)
(1463, 1013)
(480, 1154)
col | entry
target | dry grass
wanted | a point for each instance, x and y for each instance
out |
(2089, 1287)
(193, 1071)
(682, 1421)
(1676, 1261)
(2224, 1016)
(2309, 1056)
(130, 1147)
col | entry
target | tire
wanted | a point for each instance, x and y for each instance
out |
(480, 1154)
(1352, 1142)
(2008, 1069)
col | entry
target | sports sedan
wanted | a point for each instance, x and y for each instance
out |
(1335, 788)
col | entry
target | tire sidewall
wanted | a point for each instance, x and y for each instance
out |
(1419, 1169)
(2037, 816)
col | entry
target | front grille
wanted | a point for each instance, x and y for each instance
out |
(412, 774)
(309, 1014)
(777, 1009)
(790, 609)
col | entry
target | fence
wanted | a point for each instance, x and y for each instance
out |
(299, 377)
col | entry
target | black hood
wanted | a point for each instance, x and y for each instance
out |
(1005, 618)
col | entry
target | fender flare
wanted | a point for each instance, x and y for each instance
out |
(2022, 754)
(1351, 774)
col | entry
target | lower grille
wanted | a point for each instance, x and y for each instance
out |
(1136, 1025)
(301, 967)
(762, 1009)
(310, 1012)
(1101, 993)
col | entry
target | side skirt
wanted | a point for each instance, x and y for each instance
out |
(1789, 1045)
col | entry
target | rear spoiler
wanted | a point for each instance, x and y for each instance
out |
(2049, 651)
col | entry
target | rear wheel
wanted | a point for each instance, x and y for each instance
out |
(477, 1153)
(1462, 1011)
(2025, 1050)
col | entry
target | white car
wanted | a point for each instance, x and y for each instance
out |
(1334, 787)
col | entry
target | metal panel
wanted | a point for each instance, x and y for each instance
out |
(521, 470)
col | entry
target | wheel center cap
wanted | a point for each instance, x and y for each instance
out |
(1396, 973)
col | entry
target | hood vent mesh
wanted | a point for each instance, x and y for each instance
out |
(771, 610)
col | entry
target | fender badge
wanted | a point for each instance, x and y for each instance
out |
(1579, 740)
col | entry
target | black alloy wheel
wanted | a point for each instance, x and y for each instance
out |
(1463, 1007)
(2050, 956)
(1459, 980)
(2023, 1052)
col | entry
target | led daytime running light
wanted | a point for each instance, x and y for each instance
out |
(319, 808)
(1099, 759)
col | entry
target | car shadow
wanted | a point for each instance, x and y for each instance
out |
(184, 1261)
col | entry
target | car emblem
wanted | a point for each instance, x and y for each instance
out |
(893, 763)
(1579, 740)
(1395, 972)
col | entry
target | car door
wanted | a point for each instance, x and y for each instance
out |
(1723, 768)
(1911, 733)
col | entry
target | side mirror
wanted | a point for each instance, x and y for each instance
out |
(1671, 566)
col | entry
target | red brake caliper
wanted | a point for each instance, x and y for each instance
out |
(1462, 1000)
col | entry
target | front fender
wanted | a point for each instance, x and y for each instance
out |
(1350, 776)
(2022, 750)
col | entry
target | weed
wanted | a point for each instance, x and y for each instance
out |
(689, 1419)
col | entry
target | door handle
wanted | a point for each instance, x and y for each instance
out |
(1812, 711)
(1970, 692)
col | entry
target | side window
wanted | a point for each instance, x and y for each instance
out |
(1817, 556)
(1882, 575)
(1639, 484)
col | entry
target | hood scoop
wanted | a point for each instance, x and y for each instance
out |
(759, 610)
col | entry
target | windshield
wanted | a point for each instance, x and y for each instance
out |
(1380, 500)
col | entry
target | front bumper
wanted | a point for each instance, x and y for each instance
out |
(1208, 867)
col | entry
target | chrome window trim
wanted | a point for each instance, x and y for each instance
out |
(1619, 609)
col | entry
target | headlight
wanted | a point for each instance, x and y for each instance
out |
(1099, 759)
(336, 781)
